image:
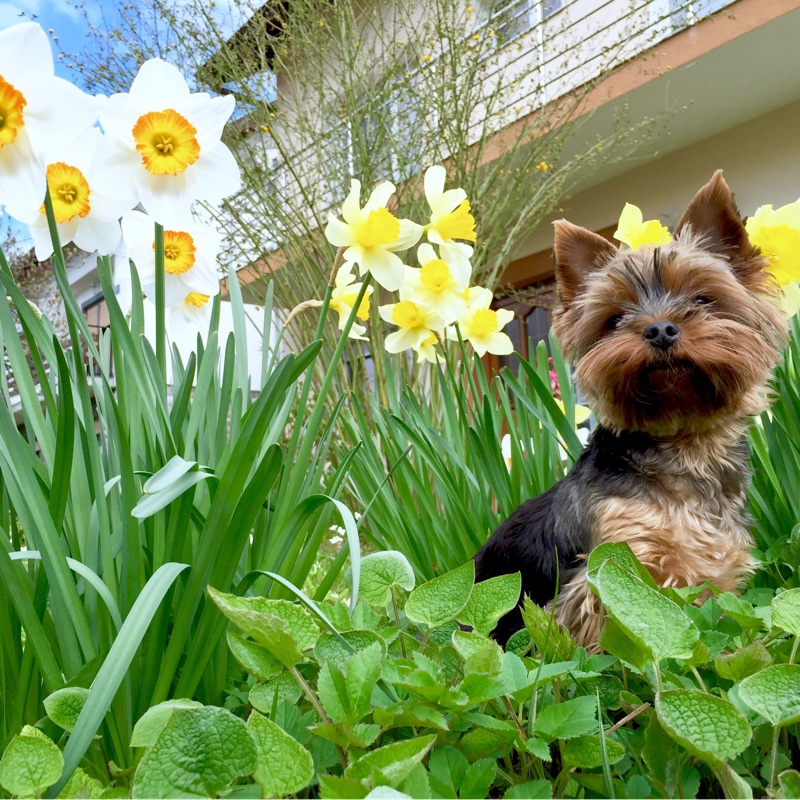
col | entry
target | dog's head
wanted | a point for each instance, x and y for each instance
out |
(671, 338)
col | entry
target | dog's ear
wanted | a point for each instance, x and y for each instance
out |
(578, 252)
(713, 220)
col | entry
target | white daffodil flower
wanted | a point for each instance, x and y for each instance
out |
(427, 350)
(435, 285)
(372, 234)
(165, 141)
(450, 219)
(39, 113)
(415, 326)
(343, 298)
(190, 257)
(193, 310)
(83, 215)
(481, 326)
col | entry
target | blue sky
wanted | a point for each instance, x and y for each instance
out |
(69, 25)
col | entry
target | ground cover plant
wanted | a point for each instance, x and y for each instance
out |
(162, 516)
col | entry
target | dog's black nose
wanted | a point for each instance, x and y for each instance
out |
(661, 334)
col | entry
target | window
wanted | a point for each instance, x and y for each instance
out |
(531, 323)
(515, 18)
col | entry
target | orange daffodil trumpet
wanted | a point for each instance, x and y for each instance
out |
(83, 214)
(190, 254)
(39, 114)
(372, 234)
(165, 142)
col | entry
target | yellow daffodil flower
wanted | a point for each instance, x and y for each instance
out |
(39, 114)
(190, 258)
(450, 220)
(435, 285)
(777, 233)
(482, 326)
(415, 326)
(372, 234)
(193, 310)
(165, 141)
(582, 413)
(343, 297)
(790, 300)
(428, 351)
(634, 232)
(83, 215)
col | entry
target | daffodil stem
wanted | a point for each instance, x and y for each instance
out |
(161, 310)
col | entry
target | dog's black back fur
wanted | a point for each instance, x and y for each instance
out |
(547, 535)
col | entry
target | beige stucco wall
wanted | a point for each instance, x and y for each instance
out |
(760, 159)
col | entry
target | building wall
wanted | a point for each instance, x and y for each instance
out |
(760, 159)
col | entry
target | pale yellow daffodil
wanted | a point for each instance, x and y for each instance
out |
(435, 285)
(482, 326)
(790, 300)
(777, 233)
(344, 296)
(633, 231)
(372, 234)
(415, 326)
(450, 219)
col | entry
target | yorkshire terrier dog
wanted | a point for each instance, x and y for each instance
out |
(672, 347)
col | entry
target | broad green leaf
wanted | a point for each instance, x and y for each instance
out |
(539, 748)
(789, 782)
(155, 719)
(466, 643)
(390, 763)
(30, 764)
(733, 784)
(740, 610)
(81, 785)
(253, 658)
(441, 599)
(262, 695)
(65, 705)
(284, 628)
(447, 767)
(331, 648)
(490, 600)
(586, 752)
(622, 555)
(650, 619)
(519, 642)
(741, 663)
(417, 785)
(478, 779)
(532, 790)
(485, 742)
(786, 611)
(552, 640)
(199, 753)
(332, 691)
(283, 765)
(361, 735)
(774, 693)
(333, 787)
(568, 719)
(382, 571)
(362, 673)
(615, 640)
(709, 727)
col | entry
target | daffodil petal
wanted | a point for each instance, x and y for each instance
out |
(339, 233)
(434, 183)
(380, 196)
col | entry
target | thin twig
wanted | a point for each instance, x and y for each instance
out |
(627, 718)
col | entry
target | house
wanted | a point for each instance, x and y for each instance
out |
(723, 76)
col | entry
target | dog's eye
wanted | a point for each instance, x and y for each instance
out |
(702, 300)
(612, 323)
